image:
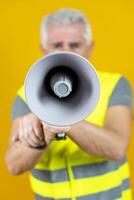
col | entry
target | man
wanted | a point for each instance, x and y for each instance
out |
(91, 163)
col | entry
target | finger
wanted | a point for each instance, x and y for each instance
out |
(22, 138)
(30, 137)
(31, 143)
(38, 129)
(35, 139)
(24, 134)
(27, 134)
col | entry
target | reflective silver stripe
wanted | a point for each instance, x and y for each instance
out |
(111, 194)
(51, 176)
(38, 197)
(82, 171)
(105, 195)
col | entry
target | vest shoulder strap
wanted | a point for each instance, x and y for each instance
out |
(21, 93)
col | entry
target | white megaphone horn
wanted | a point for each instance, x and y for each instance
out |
(62, 88)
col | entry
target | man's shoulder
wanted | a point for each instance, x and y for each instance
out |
(108, 78)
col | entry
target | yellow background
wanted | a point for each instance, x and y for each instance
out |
(113, 28)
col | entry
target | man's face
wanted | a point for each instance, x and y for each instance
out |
(67, 38)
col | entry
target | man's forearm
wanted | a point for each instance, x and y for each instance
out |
(20, 158)
(97, 141)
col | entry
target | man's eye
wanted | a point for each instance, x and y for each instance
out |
(75, 45)
(57, 45)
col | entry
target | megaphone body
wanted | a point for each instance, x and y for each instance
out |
(62, 88)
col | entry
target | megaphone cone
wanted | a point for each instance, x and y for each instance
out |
(62, 88)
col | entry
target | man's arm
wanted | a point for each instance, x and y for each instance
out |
(27, 133)
(111, 140)
(20, 156)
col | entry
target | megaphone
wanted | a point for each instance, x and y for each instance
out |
(62, 88)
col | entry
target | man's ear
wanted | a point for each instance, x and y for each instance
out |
(43, 49)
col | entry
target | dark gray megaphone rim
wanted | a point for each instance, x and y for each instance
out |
(73, 120)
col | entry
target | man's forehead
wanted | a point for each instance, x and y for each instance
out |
(60, 32)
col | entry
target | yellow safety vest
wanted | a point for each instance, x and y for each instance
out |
(66, 172)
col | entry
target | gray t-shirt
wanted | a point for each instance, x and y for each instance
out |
(121, 95)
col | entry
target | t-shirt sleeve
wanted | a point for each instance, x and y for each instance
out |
(19, 108)
(122, 94)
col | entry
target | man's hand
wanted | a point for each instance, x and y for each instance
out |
(26, 134)
(33, 132)
(30, 131)
(51, 131)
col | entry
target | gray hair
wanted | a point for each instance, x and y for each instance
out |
(62, 17)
